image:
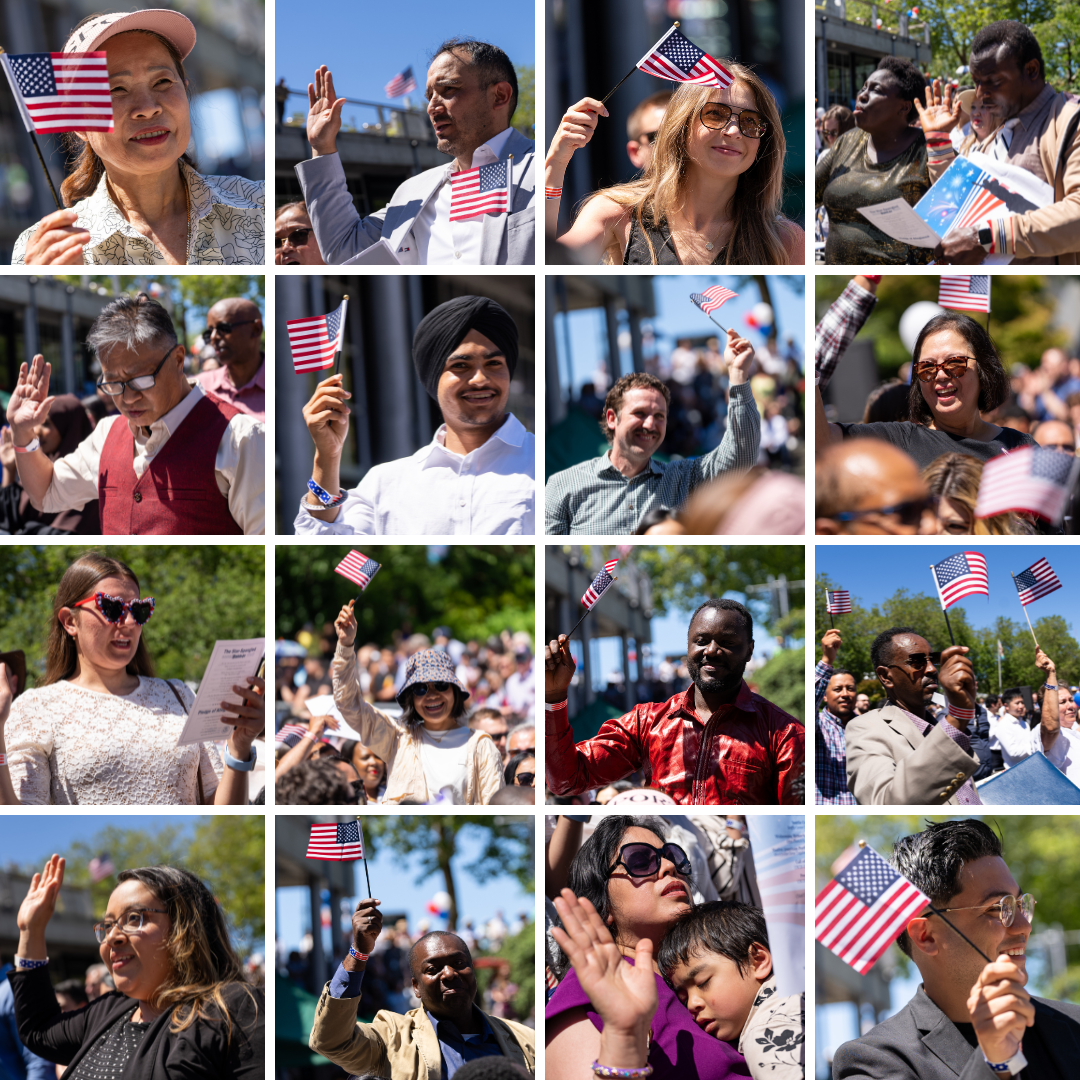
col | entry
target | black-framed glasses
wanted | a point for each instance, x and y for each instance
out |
(954, 367)
(1006, 908)
(716, 117)
(421, 689)
(116, 387)
(525, 779)
(918, 660)
(223, 328)
(131, 922)
(113, 607)
(298, 237)
(642, 860)
(909, 513)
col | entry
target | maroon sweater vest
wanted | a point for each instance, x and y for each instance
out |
(178, 493)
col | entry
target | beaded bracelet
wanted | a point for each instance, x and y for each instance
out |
(610, 1073)
(358, 955)
(553, 192)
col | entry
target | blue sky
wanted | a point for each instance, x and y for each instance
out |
(872, 573)
(366, 45)
(393, 881)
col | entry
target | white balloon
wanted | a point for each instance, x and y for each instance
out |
(914, 319)
(762, 313)
(441, 900)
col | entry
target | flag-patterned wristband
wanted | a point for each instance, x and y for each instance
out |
(554, 706)
(358, 955)
(3, 759)
(957, 713)
(29, 965)
(552, 192)
(329, 501)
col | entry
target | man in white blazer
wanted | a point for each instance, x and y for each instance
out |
(471, 93)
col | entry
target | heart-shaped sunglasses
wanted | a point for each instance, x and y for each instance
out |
(114, 608)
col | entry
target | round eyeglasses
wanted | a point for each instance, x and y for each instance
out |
(716, 117)
(642, 860)
(1006, 908)
(131, 922)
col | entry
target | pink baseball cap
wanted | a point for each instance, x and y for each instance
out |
(175, 28)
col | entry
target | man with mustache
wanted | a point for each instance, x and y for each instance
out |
(476, 475)
(446, 1032)
(969, 1017)
(716, 742)
(900, 753)
(834, 695)
(471, 93)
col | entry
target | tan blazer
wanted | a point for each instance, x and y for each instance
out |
(402, 1046)
(891, 763)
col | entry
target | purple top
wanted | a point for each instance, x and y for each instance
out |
(679, 1048)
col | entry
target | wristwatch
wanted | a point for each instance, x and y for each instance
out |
(986, 238)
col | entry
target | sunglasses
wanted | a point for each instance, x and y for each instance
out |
(298, 237)
(642, 860)
(224, 328)
(954, 367)
(421, 689)
(525, 779)
(114, 609)
(918, 660)
(716, 117)
(909, 513)
(646, 137)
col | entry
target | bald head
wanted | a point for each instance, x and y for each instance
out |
(1056, 435)
(866, 476)
(238, 347)
(1055, 362)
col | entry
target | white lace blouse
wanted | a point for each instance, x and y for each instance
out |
(68, 745)
(227, 226)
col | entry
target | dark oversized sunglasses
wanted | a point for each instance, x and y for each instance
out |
(525, 779)
(918, 660)
(954, 367)
(909, 513)
(113, 608)
(642, 860)
(421, 689)
(224, 328)
(716, 117)
(297, 238)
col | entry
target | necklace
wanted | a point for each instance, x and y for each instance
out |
(187, 205)
(709, 244)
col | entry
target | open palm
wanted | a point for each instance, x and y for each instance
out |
(40, 902)
(30, 402)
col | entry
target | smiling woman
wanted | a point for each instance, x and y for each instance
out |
(134, 195)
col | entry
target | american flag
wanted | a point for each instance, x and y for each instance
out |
(1037, 581)
(837, 601)
(959, 576)
(101, 867)
(678, 59)
(968, 292)
(600, 584)
(479, 191)
(60, 91)
(864, 909)
(314, 341)
(358, 568)
(290, 734)
(340, 843)
(711, 299)
(401, 84)
(1029, 479)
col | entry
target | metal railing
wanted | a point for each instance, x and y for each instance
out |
(386, 121)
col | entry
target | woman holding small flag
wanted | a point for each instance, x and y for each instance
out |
(134, 196)
(430, 755)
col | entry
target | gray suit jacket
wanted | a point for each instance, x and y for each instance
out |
(342, 233)
(891, 763)
(921, 1043)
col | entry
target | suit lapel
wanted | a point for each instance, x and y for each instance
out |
(939, 1034)
(903, 727)
(402, 231)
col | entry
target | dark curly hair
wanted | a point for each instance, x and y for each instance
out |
(911, 79)
(315, 782)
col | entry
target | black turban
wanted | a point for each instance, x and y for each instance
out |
(442, 330)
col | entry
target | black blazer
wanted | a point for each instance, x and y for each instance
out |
(201, 1051)
(921, 1043)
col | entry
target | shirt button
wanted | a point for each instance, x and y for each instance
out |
(462, 503)
(457, 254)
(138, 496)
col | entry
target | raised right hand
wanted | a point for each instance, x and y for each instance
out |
(939, 113)
(1001, 1009)
(345, 624)
(324, 113)
(327, 417)
(30, 402)
(957, 676)
(366, 925)
(36, 910)
(57, 240)
(575, 130)
(559, 667)
(318, 724)
(830, 646)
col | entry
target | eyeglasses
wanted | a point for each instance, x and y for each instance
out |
(909, 513)
(525, 779)
(421, 689)
(1005, 908)
(918, 660)
(716, 117)
(223, 328)
(298, 237)
(829, 134)
(954, 367)
(642, 860)
(131, 922)
(1061, 448)
(116, 387)
(646, 137)
(113, 608)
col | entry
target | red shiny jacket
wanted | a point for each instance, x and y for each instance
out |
(748, 753)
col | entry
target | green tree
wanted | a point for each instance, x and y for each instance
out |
(525, 113)
(434, 842)
(781, 680)
(520, 952)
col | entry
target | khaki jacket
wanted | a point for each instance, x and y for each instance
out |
(1052, 231)
(403, 1047)
(399, 747)
(891, 763)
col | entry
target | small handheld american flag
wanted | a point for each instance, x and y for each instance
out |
(358, 568)
(968, 292)
(401, 84)
(677, 59)
(837, 601)
(1037, 581)
(1031, 479)
(60, 91)
(600, 585)
(316, 341)
(713, 298)
(960, 575)
(339, 842)
(483, 190)
(290, 734)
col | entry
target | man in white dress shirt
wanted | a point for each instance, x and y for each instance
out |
(471, 94)
(475, 477)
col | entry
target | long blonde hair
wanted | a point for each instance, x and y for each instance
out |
(957, 477)
(757, 232)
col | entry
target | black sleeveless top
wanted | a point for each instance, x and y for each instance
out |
(637, 247)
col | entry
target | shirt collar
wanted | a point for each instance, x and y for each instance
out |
(604, 463)
(511, 434)
(452, 1030)
(1030, 112)
(165, 426)
(486, 153)
(257, 380)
